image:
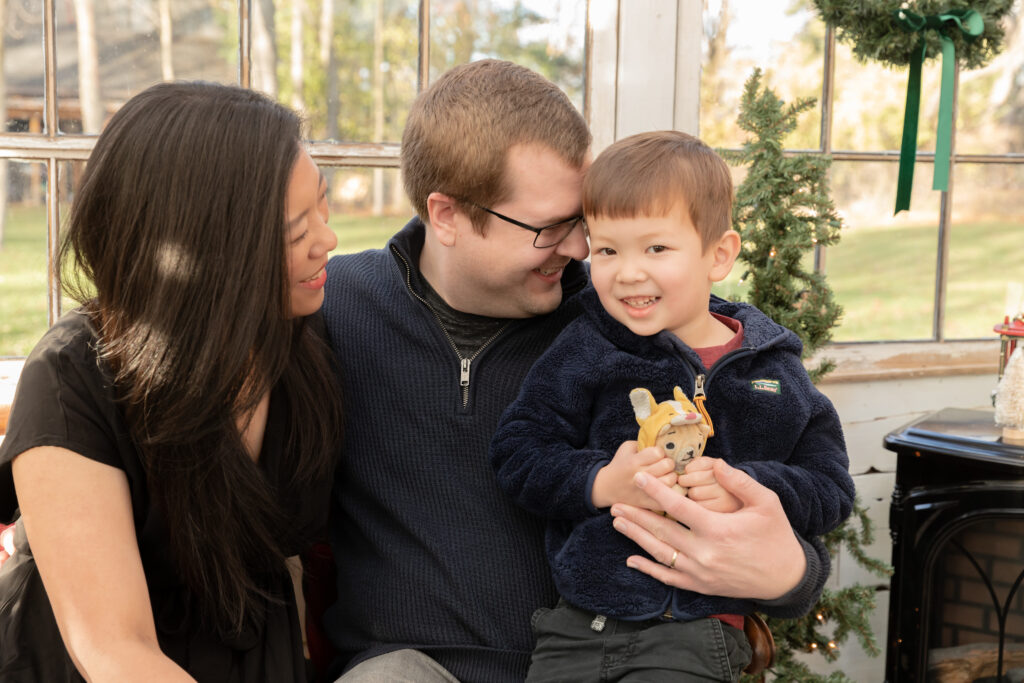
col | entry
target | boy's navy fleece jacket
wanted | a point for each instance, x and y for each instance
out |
(573, 412)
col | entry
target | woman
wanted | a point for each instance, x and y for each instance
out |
(171, 440)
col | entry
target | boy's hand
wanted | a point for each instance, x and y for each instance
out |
(705, 489)
(614, 481)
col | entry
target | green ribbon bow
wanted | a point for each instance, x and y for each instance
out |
(968, 22)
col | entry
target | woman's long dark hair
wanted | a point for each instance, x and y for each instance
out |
(180, 226)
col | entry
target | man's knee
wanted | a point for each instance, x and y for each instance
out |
(400, 666)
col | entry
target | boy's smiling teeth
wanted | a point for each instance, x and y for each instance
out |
(640, 301)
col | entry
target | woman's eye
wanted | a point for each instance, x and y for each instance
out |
(300, 237)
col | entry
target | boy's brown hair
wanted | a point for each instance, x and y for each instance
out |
(653, 174)
(460, 129)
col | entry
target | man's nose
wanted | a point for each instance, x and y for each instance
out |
(574, 245)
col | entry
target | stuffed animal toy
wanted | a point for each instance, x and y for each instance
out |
(676, 426)
(682, 432)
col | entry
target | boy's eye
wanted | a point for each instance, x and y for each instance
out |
(657, 249)
(605, 251)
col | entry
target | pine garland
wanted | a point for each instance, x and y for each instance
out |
(783, 209)
(869, 28)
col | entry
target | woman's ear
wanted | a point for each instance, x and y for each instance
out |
(725, 252)
(443, 213)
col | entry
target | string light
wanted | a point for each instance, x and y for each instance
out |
(820, 616)
(771, 254)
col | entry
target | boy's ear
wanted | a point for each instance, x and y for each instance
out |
(443, 212)
(725, 252)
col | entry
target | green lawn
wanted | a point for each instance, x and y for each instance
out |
(883, 276)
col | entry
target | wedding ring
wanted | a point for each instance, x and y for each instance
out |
(672, 562)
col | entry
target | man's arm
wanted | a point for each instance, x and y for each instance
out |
(751, 553)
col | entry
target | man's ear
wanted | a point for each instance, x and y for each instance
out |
(725, 252)
(443, 212)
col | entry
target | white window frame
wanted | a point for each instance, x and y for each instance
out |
(643, 64)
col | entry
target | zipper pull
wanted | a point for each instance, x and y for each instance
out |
(464, 376)
(698, 400)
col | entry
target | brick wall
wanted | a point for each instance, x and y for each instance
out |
(966, 612)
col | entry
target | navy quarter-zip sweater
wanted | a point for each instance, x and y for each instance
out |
(573, 412)
(430, 553)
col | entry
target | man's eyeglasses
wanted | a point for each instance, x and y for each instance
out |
(543, 238)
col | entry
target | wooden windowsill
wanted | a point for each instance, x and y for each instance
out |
(9, 371)
(906, 360)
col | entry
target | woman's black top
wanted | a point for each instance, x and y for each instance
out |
(65, 398)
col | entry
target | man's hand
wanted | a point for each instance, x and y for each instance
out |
(751, 553)
(705, 489)
(614, 481)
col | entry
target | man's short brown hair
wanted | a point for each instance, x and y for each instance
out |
(460, 129)
(653, 174)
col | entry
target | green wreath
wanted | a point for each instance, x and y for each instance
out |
(871, 29)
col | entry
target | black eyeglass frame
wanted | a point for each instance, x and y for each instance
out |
(575, 220)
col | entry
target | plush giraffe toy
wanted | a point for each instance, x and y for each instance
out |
(676, 426)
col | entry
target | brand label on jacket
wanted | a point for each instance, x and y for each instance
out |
(772, 386)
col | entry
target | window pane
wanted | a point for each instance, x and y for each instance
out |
(731, 287)
(990, 106)
(351, 66)
(545, 36)
(23, 282)
(986, 247)
(883, 269)
(22, 54)
(108, 50)
(740, 35)
(870, 100)
(368, 206)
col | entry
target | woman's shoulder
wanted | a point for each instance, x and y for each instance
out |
(73, 331)
(69, 349)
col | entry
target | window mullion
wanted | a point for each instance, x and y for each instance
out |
(244, 43)
(53, 185)
(945, 221)
(827, 96)
(423, 71)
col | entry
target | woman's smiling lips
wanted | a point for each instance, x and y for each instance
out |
(317, 280)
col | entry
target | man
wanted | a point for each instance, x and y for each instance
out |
(438, 572)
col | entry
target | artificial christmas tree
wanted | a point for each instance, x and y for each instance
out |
(783, 211)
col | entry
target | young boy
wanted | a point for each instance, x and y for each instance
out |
(658, 209)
